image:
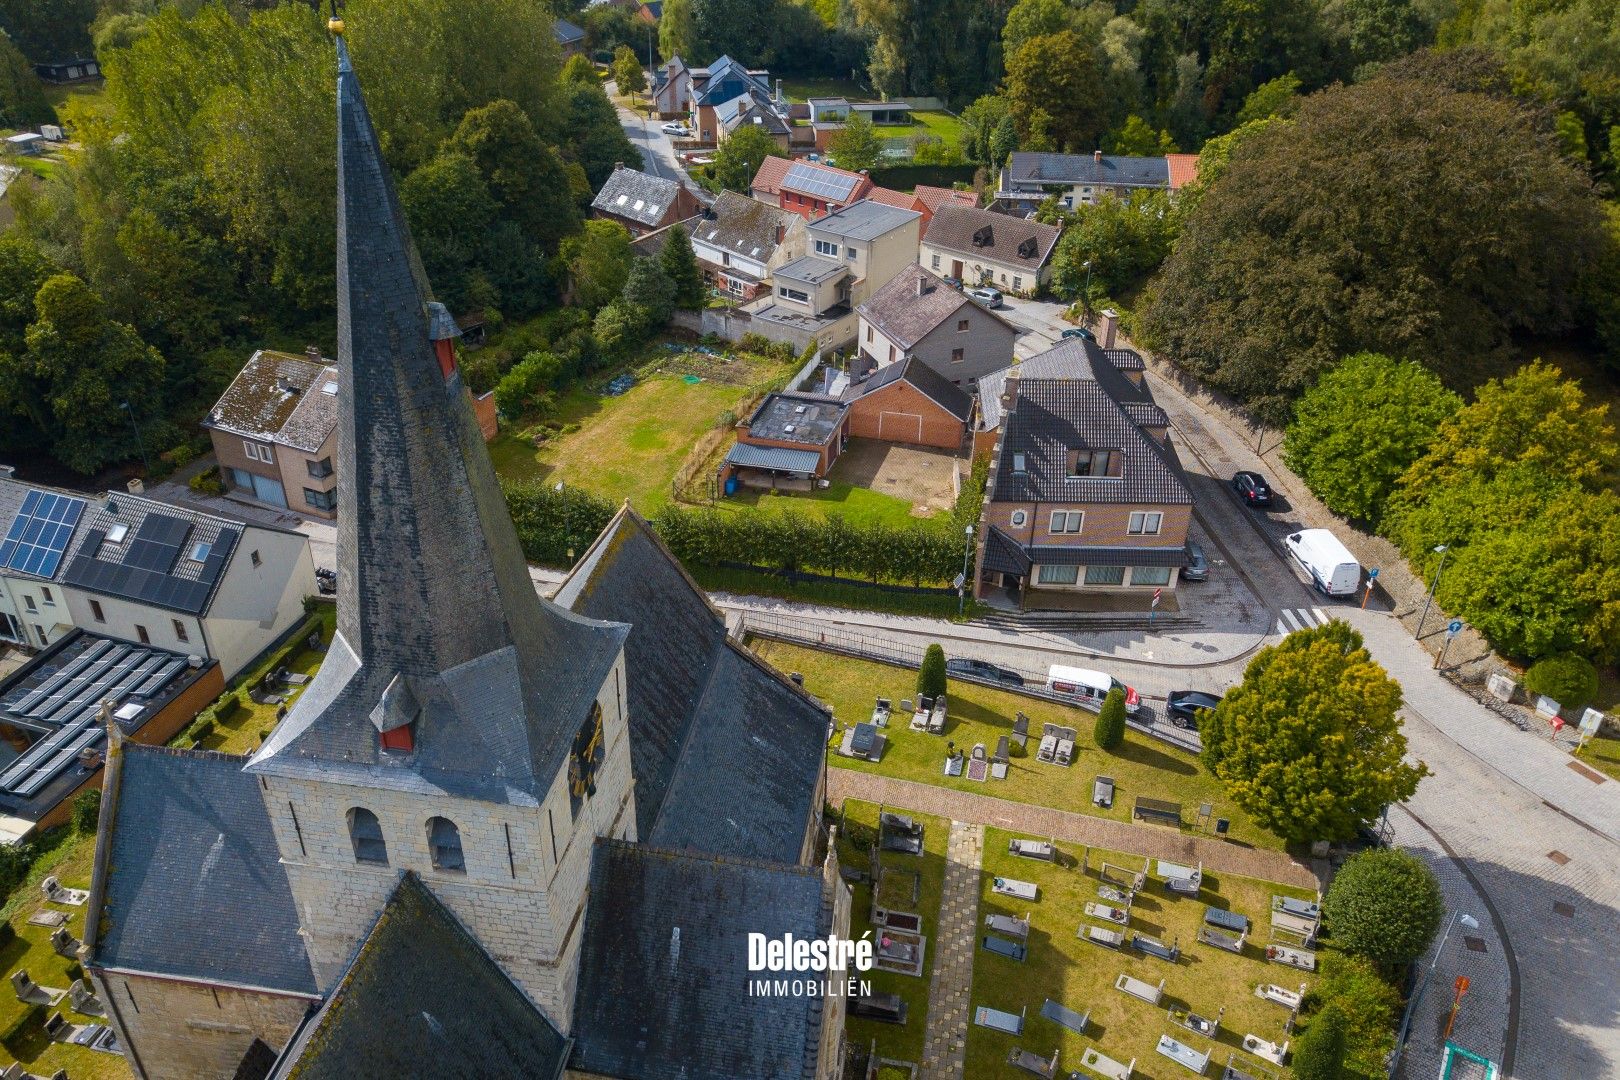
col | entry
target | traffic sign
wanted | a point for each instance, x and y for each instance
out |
(1156, 594)
(1373, 572)
(1454, 628)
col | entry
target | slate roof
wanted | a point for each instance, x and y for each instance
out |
(1054, 416)
(726, 753)
(653, 243)
(194, 886)
(930, 383)
(423, 998)
(315, 417)
(264, 394)
(905, 313)
(741, 225)
(154, 563)
(1114, 170)
(1003, 554)
(1071, 358)
(664, 967)
(639, 196)
(725, 79)
(865, 220)
(433, 588)
(745, 108)
(566, 32)
(960, 229)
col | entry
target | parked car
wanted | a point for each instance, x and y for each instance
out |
(979, 669)
(1197, 568)
(990, 298)
(675, 127)
(953, 282)
(1185, 705)
(1080, 332)
(1089, 688)
(1102, 791)
(1252, 488)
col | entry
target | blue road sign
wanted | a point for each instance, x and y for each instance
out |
(1373, 572)
(1454, 628)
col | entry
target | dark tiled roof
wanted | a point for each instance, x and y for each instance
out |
(423, 998)
(930, 383)
(153, 564)
(1146, 414)
(566, 32)
(1071, 358)
(706, 723)
(1134, 555)
(1112, 169)
(432, 584)
(1004, 554)
(914, 302)
(1125, 359)
(664, 966)
(750, 107)
(725, 79)
(264, 394)
(633, 194)
(1051, 417)
(194, 885)
(315, 418)
(741, 225)
(985, 234)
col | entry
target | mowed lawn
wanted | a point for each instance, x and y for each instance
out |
(1080, 975)
(860, 506)
(978, 714)
(941, 125)
(902, 1042)
(627, 447)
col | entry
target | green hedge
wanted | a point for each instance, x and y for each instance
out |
(906, 177)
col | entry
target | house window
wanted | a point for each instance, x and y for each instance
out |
(793, 294)
(850, 253)
(365, 833)
(933, 263)
(258, 452)
(28, 602)
(444, 843)
(961, 326)
(725, 259)
(1150, 575)
(1067, 521)
(956, 356)
(869, 335)
(1056, 575)
(827, 248)
(140, 632)
(321, 469)
(95, 609)
(180, 630)
(1145, 523)
(1083, 463)
(1018, 283)
(44, 592)
(1105, 575)
(320, 500)
(254, 559)
(40, 632)
(1019, 517)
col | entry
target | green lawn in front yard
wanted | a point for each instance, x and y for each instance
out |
(942, 125)
(860, 506)
(1080, 975)
(805, 89)
(70, 859)
(240, 732)
(902, 1042)
(1603, 754)
(978, 714)
(626, 447)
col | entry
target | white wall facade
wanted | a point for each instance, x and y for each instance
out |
(41, 609)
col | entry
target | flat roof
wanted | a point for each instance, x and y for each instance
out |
(865, 220)
(797, 418)
(811, 270)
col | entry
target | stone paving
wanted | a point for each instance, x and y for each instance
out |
(945, 1043)
(1155, 841)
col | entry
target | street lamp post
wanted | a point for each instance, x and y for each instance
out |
(967, 555)
(1440, 549)
(568, 530)
(1085, 296)
(1411, 1006)
(139, 442)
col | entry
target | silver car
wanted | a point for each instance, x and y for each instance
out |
(1197, 568)
(990, 298)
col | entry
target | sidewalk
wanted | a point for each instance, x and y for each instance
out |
(945, 1041)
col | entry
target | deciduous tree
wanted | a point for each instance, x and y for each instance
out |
(1054, 87)
(675, 30)
(857, 146)
(1385, 905)
(598, 260)
(627, 72)
(1309, 743)
(739, 157)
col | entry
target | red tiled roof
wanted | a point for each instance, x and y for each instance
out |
(934, 197)
(890, 197)
(772, 171)
(1183, 169)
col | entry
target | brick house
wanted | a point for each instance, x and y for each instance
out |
(1087, 495)
(909, 402)
(790, 441)
(982, 247)
(807, 188)
(641, 202)
(924, 199)
(918, 315)
(1029, 179)
(274, 432)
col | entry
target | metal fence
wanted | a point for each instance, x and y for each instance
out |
(873, 645)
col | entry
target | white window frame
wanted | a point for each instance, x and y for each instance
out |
(259, 452)
(827, 248)
(1077, 516)
(934, 263)
(1139, 520)
(1018, 283)
(1019, 517)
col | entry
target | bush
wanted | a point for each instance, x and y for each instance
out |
(1110, 729)
(1568, 679)
(1384, 905)
(182, 455)
(201, 731)
(1368, 1005)
(15, 862)
(1321, 1049)
(931, 676)
(207, 482)
(228, 706)
(86, 812)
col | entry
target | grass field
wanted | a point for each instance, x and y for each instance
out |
(805, 89)
(861, 506)
(1080, 975)
(1603, 754)
(941, 125)
(627, 447)
(978, 714)
(831, 594)
(904, 1042)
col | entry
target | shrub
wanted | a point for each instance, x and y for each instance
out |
(1321, 1049)
(86, 812)
(1110, 729)
(15, 862)
(207, 482)
(1384, 905)
(931, 676)
(1368, 1005)
(201, 731)
(1568, 679)
(228, 706)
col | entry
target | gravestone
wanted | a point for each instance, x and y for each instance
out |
(1501, 687)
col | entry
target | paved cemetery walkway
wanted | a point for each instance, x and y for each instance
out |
(945, 1042)
(1219, 856)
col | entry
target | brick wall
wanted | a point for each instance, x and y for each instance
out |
(1106, 524)
(901, 413)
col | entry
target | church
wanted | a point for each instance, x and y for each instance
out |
(496, 835)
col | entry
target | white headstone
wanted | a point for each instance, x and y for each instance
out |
(1501, 687)
(1547, 707)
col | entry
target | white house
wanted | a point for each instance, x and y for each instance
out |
(36, 525)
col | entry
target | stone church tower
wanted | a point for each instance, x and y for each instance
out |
(460, 727)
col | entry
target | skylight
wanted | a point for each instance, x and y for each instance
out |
(329, 388)
(200, 550)
(116, 534)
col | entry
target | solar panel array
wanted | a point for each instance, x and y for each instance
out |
(155, 567)
(40, 533)
(822, 183)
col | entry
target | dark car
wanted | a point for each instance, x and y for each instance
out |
(1197, 568)
(978, 669)
(1252, 488)
(1185, 705)
(1080, 332)
(954, 282)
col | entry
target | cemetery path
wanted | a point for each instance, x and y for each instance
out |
(945, 1043)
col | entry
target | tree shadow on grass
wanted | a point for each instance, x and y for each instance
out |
(1153, 758)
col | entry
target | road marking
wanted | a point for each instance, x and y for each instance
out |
(1291, 619)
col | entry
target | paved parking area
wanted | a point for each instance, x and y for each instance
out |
(925, 478)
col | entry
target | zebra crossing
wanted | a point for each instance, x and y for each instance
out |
(1291, 619)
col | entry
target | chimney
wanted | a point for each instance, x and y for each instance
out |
(1096, 157)
(1109, 327)
(866, 172)
(617, 165)
(781, 232)
(1009, 393)
(136, 486)
(919, 284)
(312, 354)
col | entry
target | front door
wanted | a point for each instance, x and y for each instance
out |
(956, 269)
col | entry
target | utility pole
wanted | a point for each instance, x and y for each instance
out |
(1440, 549)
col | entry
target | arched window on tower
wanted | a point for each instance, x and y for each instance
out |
(444, 842)
(366, 835)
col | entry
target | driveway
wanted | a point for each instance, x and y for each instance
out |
(657, 151)
(922, 477)
(1040, 324)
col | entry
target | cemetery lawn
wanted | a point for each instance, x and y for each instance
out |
(1080, 975)
(857, 832)
(979, 714)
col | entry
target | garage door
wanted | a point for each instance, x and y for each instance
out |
(900, 427)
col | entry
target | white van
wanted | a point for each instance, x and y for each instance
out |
(1333, 569)
(1088, 688)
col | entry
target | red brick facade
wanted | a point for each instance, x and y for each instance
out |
(901, 413)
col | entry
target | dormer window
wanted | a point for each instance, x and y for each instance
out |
(1095, 463)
